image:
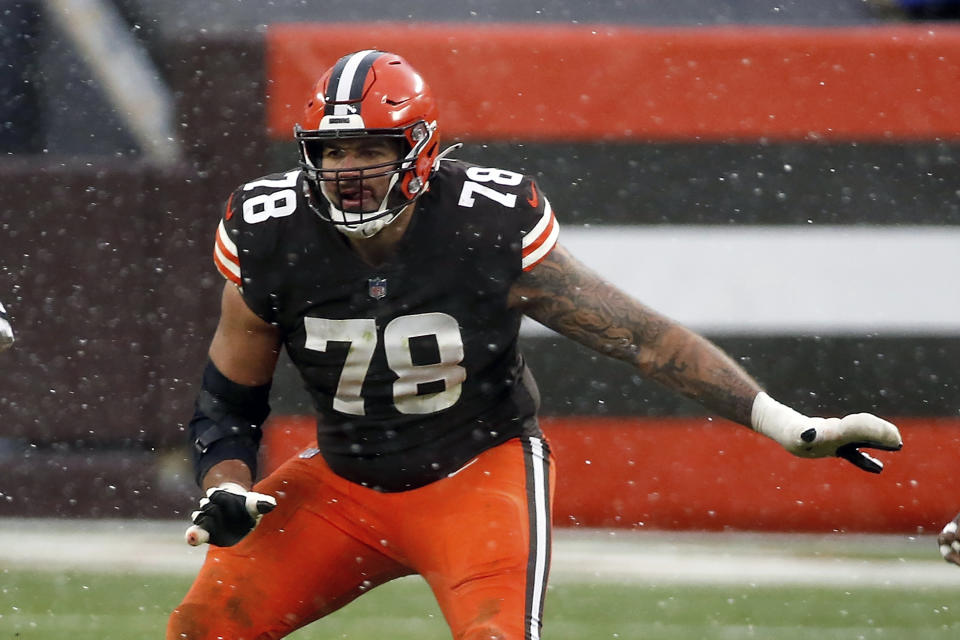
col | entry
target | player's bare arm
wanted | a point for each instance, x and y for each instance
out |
(568, 297)
(243, 355)
(245, 349)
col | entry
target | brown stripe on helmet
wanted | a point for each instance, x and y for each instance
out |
(356, 76)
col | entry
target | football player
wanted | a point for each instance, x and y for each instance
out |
(396, 278)
(6, 331)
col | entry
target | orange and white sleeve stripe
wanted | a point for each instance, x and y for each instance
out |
(225, 256)
(540, 240)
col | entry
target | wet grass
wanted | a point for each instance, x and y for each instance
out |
(72, 605)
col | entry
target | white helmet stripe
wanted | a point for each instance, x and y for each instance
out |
(354, 72)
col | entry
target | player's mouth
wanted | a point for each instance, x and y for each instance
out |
(357, 199)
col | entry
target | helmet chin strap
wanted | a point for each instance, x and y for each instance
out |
(362, 229)
(366, 229)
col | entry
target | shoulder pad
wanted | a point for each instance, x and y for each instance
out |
(244, 228)
(540, 227)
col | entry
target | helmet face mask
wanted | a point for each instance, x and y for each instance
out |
(337, 180)
(366, 95)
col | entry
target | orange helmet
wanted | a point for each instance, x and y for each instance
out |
(371, 93)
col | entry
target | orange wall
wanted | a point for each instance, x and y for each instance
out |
(584, 82)
(691, 473)
(587, 82)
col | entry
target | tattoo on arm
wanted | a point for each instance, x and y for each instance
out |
(566, 296)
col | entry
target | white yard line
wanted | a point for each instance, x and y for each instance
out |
(648, 558)
(710, 569)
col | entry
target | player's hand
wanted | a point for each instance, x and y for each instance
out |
(6, 335)
(823, 437)
(6, 331)
(227, 514)
(844, 437)
(949, 541)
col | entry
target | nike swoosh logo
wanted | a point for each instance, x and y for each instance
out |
(229, 210)
(533, 200)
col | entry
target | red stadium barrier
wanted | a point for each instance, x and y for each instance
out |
(693, 473)
(600, 82)
(588, 82)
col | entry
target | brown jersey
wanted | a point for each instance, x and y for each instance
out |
(413, 365)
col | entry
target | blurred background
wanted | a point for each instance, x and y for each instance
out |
(781, 176)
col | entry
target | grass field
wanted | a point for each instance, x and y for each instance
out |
(129, 599)
(97, 606)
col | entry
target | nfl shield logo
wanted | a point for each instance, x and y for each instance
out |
(377, 288)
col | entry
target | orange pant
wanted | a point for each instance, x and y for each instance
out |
(480, 538)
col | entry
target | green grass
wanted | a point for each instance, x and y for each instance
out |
(48, 605)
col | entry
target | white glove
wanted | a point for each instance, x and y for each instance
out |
(227, 515)
(949, 541)
(6, 331)
(822, 437)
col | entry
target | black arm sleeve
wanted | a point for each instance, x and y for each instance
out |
(226, 422)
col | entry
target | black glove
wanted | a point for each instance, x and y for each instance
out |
(227, 515)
